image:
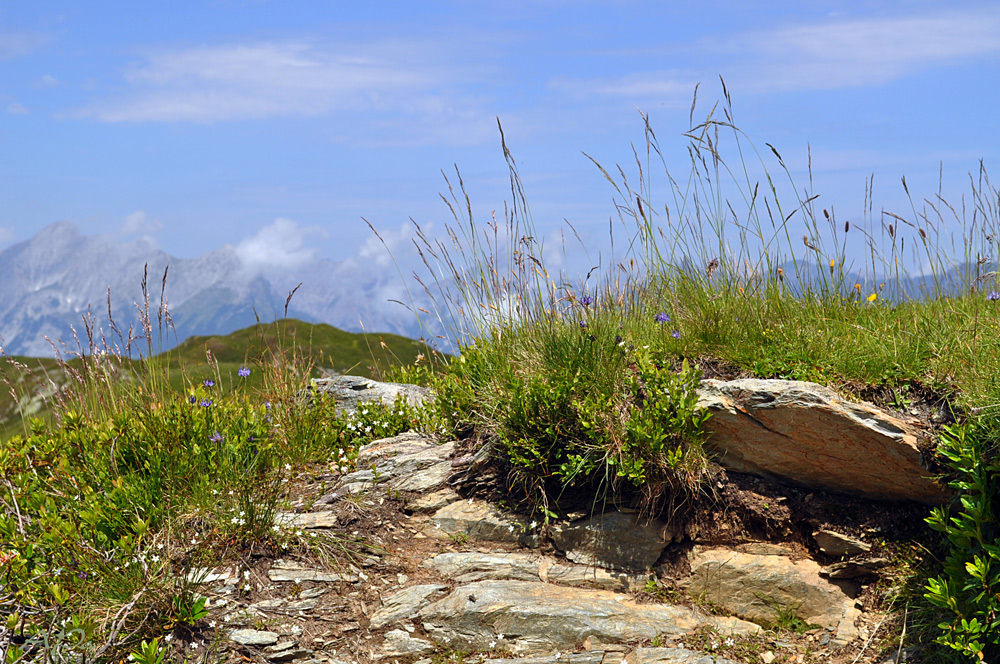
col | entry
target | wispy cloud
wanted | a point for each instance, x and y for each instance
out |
(862, 52)
(17, 44)
(837, 53)
(274, 79)
(139, 223)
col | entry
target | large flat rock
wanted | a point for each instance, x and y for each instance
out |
(805, 433)
(538, 617)
(466, 567)
(757, 586)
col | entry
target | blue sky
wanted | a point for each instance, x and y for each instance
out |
(275, 127)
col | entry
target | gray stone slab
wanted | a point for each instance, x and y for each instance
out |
(543, 617)
(253, 637)
(403, 604)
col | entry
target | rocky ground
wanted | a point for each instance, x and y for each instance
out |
(404, 568)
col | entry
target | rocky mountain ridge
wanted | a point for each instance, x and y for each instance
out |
(50, 281)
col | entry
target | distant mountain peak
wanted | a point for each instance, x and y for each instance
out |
(48, 281)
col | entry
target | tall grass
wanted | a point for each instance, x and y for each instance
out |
(732, 261)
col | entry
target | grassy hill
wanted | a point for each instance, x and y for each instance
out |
(35, 381)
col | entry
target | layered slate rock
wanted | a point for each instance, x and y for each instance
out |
(479, 521)
(805, 433)
(408, 462)
(541, 617)
(403, 604)
(757, 586)
(466, 567)
(673, 656)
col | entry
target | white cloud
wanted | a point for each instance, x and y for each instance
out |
(837, 53)
(139, 223)
(6, 235)
(393, 246)
(282, 244)
(15, 108)
(292, 78)
(47, 81)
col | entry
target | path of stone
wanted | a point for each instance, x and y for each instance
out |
(449, 575)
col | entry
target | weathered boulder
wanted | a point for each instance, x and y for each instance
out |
(616, 540)
(805, 433)
(408, 462)
(539, 617)
(351, 391)
(761, 587)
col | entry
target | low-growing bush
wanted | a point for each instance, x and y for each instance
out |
(969, 588)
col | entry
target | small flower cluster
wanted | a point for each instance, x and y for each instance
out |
(664, 317)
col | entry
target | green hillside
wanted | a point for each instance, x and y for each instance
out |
(34, 381)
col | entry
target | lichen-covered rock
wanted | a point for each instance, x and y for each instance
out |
(805, 433)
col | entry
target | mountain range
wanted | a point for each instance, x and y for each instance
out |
(49, 282)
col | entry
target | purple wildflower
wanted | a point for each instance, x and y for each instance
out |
(676, 334)
(217, 438)
(993, 296)
(583, 323)
(662, 318)
(586, 300)
(209, 382)
(243, 372)
(206, 403)
(192, 399)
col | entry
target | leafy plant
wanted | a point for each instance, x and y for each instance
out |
(149, 652)
(969, 588)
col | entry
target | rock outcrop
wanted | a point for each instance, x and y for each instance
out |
(806, 434)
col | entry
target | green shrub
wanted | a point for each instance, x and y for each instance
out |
(580, 408)
(969, 588)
